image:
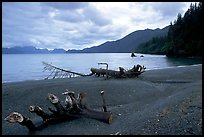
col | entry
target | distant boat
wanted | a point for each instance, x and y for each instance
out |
(133, 55)
(141, 56)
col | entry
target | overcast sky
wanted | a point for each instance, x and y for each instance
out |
(77, 25)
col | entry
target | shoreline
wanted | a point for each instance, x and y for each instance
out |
(163, 101)
(3, 82)
(174, 67)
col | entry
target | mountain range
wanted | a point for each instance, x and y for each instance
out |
(30, 50)
(126, 44)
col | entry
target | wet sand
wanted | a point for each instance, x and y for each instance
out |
(165, 102)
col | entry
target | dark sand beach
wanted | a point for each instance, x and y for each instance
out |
(164, 102)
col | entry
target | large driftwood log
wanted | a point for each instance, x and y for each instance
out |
(57, 72)
(74, 108)
(89, 113)
(80, 109)
(134, 72)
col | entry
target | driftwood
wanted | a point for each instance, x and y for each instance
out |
(57, 72)
(22, 120)
(73, 108)
(104, 104)
(134, 72)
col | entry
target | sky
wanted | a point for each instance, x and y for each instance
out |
(78, 25)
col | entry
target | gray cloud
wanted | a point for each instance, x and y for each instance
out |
(89, 34)
(87, 14)
(166, 10)
(69, 16)
(66, 5)
(159, 13)
(169, 9)
(77, 25)
(95, 16)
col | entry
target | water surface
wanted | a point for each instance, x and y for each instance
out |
(20, 67)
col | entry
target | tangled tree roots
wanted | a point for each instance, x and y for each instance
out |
(74, 108)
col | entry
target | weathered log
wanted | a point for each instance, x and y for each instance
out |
(98, 72)
(57, 72)
(104, 103)
(108, 73)
(16, 117)
(53, 118)
(134, 72)
(88, 113)
(55, 101)
(73, 114)
(77, 109)
(68, 101)
(83, 101)
(39, 111)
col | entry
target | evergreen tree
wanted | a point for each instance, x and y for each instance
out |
(184, 36)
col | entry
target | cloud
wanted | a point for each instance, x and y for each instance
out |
(69, 16)
(168, 9)
(19, 21)
(95, 16)
(65, 5)
(77, 25)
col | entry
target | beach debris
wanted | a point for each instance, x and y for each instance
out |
(72, 109)
(57, 72)
(104, 104)
(117, 133)
(16, 117)
(122, 73)
(39, 111)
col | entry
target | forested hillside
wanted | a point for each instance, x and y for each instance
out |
(184, 36)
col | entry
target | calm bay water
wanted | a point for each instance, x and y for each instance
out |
(21, 67)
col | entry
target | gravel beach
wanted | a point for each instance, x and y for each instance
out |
(157, 102)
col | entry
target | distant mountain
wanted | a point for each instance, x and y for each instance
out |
(123, 45)
(30, 50)
(58, 51)
(19, 50)
(73, 51)
(127, 43)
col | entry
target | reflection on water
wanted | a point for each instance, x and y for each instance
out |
(172, 61)
(19, 67)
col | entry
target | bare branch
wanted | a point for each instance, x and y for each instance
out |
(59, 72)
